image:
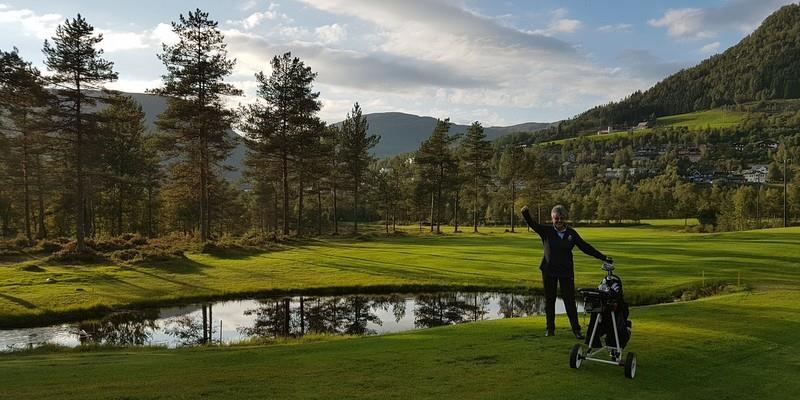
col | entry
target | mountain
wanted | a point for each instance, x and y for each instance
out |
(765, 65)
(401, 133)
(153, 105)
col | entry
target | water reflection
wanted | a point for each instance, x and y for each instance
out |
(125, 328)
(233, 321)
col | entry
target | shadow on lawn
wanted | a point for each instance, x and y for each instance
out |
(17, 300)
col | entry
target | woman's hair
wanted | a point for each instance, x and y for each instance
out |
(560, 210)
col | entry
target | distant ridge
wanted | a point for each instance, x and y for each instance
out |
(400, 132)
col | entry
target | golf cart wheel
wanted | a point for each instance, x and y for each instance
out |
(630, 365)
(576, 356)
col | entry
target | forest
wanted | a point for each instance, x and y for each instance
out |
(79, 166)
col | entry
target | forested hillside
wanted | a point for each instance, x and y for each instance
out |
(765, 65)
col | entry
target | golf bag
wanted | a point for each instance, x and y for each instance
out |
(605, 300)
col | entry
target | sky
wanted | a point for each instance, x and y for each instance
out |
(497, 62)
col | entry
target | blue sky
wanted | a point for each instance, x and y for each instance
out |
(498, 62)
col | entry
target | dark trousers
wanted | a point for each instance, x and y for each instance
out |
(567, 294)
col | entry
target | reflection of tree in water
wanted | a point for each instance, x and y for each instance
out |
(124, 328)
(331, 315)
(272, 318)
(445, 309)
(395, 303)
(358, 313)
(190, 330)
(519, 305)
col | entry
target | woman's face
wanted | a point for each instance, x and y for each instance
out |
(558, 220)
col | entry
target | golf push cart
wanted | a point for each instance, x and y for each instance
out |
(609, 320)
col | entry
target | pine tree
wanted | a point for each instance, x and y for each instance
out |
(437, 162)
(476, 152)
(124, 157)
(356, 144)
(196, 118)
(276, 125)
(77, 67)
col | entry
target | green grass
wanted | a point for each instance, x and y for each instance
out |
(656, 264)
(723, 347)
(716, 118)
(720, 347)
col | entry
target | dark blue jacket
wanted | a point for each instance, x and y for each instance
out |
(557, 260)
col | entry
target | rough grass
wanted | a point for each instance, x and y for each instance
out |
(656, 264)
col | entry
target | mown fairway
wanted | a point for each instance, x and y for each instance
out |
(655, 264)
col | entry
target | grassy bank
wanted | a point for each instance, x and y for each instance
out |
(655, 263)
(720, 347)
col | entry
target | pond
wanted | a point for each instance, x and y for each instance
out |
(238, 320)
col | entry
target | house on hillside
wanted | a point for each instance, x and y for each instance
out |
(767, 144)
(604, 131)
(617, 173)
(756, 173)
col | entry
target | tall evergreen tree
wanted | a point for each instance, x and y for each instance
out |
(437, 162)
(277, 124)
(195, 117)
(77, 67)
(125, 159)
(476, 152)
(356, 144)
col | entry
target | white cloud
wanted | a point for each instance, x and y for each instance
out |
(710, 48)
(249, 5)
(331, 33)
(456, 58)
(684, 23)
(40, 26)
(255, 19)
(163, 33)
(615, 28)
(3, 6)
(121, 41)
(559, 24)
(700, 23)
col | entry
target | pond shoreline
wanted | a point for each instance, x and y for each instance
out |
(50, 317)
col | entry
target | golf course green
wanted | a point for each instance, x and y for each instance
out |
(741, 339)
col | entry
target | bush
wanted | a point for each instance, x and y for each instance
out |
(51, 246)
(69, 254)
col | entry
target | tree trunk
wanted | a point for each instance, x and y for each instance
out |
(475, 208)
(319, 209)
(335, 211)
(439, 200)
(203, 191)
(433, 196)
(150, 210)
(285, 183)
(455, 213)
(355, 206)
(41, 230)
(513, 200)
(300, 208)
(81, 220)
(25, 185)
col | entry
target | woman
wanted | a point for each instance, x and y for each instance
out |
(557, 266)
